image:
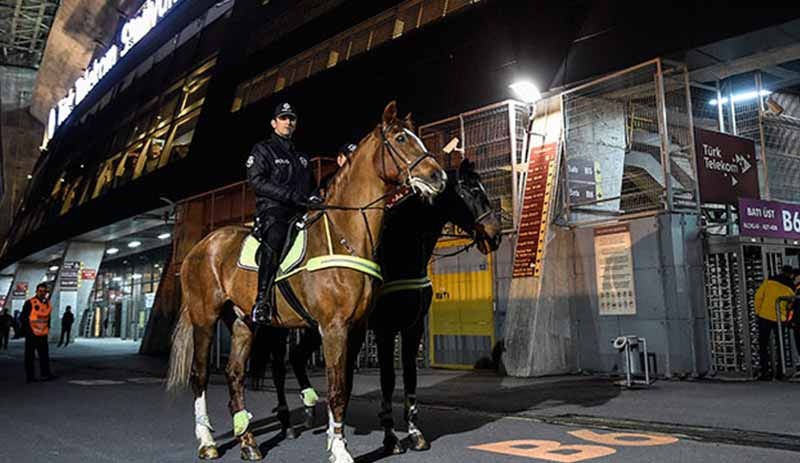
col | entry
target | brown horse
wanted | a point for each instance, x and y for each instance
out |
(337, 298)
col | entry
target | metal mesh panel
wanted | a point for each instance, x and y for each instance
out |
(613, 154)
(781, 125)
(681, 154)
(487, 139)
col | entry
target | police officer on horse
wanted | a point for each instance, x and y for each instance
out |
(282, 181)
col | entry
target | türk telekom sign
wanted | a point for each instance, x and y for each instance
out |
(133, 30)
(769, 219)
(726, 167)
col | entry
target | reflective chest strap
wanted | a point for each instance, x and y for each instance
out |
(403, 285)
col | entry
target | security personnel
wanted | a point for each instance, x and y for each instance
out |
(35, 324)
(282, 181)
(767, 295)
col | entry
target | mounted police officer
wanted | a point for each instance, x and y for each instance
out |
(282, 181)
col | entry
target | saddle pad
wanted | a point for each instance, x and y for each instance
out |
(296, 254)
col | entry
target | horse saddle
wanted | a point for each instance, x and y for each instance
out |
(292, 256)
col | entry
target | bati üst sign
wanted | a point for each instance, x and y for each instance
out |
(133, 30)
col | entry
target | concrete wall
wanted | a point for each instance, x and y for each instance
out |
(667, 260)
(80, 29)
(21, 136)
(89, 255)
(5, 287)
(33, 274)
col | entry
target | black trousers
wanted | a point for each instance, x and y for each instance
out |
(4, 338)
(273, 236)
(765, 329)
(65, 332)
(38, 344)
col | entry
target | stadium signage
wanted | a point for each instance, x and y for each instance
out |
(133, 31)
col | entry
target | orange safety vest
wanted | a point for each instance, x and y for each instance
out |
(40, 317)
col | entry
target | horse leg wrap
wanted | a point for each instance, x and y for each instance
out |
(202, 424)
(241, 421)
(335, 430)
(309, 397)
(411, 414)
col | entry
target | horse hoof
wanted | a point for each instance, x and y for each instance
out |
(339, 452)
(419, 443)
(208, 452)
(393, 448)
(251, 454)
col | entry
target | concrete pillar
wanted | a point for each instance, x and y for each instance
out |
(539, 337)
(23, 286)
(5, 286)
(75, 281)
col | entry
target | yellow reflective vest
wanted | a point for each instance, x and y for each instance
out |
(767, 294)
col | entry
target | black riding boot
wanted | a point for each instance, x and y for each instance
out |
(266, 275)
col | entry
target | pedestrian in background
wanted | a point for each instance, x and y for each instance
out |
(5, 326)
(794, 317)
(17, 329)
(66, 326)
(35, 325)
(766, 296)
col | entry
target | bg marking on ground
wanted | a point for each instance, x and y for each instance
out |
(550, 450)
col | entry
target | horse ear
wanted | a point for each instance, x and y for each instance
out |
(390, 113)
(409, 121)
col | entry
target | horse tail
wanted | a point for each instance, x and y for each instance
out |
(180, 359)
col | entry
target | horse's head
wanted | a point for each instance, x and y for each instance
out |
(468, 206)
(404, 158)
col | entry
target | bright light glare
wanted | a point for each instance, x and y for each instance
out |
(164, 236)
(134, 244)
(526, 91)
(741, 97)
(112, 251)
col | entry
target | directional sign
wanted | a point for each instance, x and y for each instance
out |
(726, 167)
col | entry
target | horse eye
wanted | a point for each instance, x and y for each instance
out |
(401, 138)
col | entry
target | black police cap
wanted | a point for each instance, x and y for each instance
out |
(284, 109)
(347, 149)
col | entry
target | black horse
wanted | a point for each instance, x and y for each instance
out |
(405, 298)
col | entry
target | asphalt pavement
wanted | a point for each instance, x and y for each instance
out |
(109, 405)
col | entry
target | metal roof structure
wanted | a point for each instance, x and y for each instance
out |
(24, 26)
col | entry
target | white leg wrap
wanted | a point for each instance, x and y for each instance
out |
(337, 444)
(202, 426)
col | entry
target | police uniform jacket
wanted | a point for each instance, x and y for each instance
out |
(280, 177)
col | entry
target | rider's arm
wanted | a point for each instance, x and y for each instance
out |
(258, 174)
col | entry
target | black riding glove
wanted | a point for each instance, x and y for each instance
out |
(314, 202)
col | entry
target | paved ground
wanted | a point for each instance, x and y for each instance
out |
(109, 405)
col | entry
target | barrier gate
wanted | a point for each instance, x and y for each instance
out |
(461, 319)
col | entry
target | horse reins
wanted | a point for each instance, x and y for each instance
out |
(393, 155)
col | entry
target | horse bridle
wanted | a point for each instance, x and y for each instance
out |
(394, 154)
(461, 187)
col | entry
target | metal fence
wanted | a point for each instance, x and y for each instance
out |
(629, 144)
(493, 138)
(771, 120)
